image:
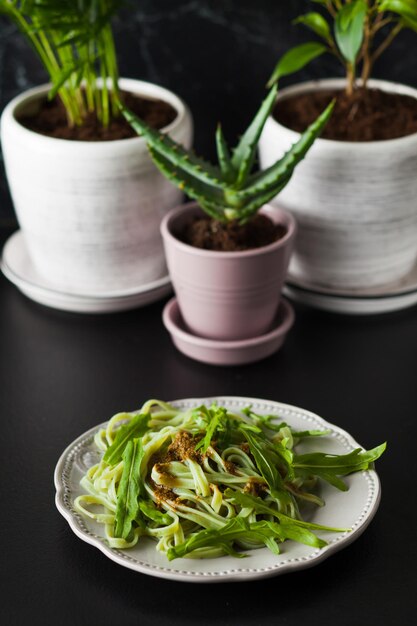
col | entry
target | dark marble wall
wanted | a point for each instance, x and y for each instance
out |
(216, 54)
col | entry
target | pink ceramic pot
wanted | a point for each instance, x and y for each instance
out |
(227, 295)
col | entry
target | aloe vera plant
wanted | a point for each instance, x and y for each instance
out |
(356, 32)
(230, 190)
(74, 41)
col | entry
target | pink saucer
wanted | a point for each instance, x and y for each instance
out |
(227, 352)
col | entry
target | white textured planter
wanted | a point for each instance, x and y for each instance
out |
(90, 211)
(355, 203)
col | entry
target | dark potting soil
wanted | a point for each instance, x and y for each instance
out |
(51, 120)
(209, 234)
(367, 115)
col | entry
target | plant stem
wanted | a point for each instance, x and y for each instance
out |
(366, 51)
(351, 77)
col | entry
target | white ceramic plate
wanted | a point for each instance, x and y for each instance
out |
(353, 509)
(393, 297)
(17, 266)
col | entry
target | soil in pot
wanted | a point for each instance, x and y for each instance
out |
(367, 115)
(51, 120)
(209, 234)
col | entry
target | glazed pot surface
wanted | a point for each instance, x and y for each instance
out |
(227, 295)
(355, 203)
(90, 211)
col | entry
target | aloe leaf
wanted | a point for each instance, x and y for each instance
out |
(262, 182)
(129, 489)
(224, 156)
(136, 427)
(295, 59)
(175, 153)
(206, 196)
(244, 154)
(263, 197)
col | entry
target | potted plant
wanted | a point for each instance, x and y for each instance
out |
(228, 251)
(355, 199)
(87, 196)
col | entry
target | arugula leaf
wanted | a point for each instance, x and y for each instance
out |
(264, 420)
(218, 421)
(148, 509)
(130, 487)
(265, 458)
(137, 427)
(268, 533)
(259, 506)
(330, 466)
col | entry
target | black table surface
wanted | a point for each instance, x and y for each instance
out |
(62, 373)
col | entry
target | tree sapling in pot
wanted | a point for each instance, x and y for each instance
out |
(355, 198)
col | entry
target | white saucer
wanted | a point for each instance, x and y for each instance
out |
(392, 297)
(218, 352)
(17, 266)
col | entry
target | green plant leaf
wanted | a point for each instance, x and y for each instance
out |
(137, 426)
(281, 171)
(349, 29)
(207, 197)
(251, 206)
(175, 153)
(129, 489)
(244, 154)
(404, 8)
(296, 58)
(317, 23)
(223, 155)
